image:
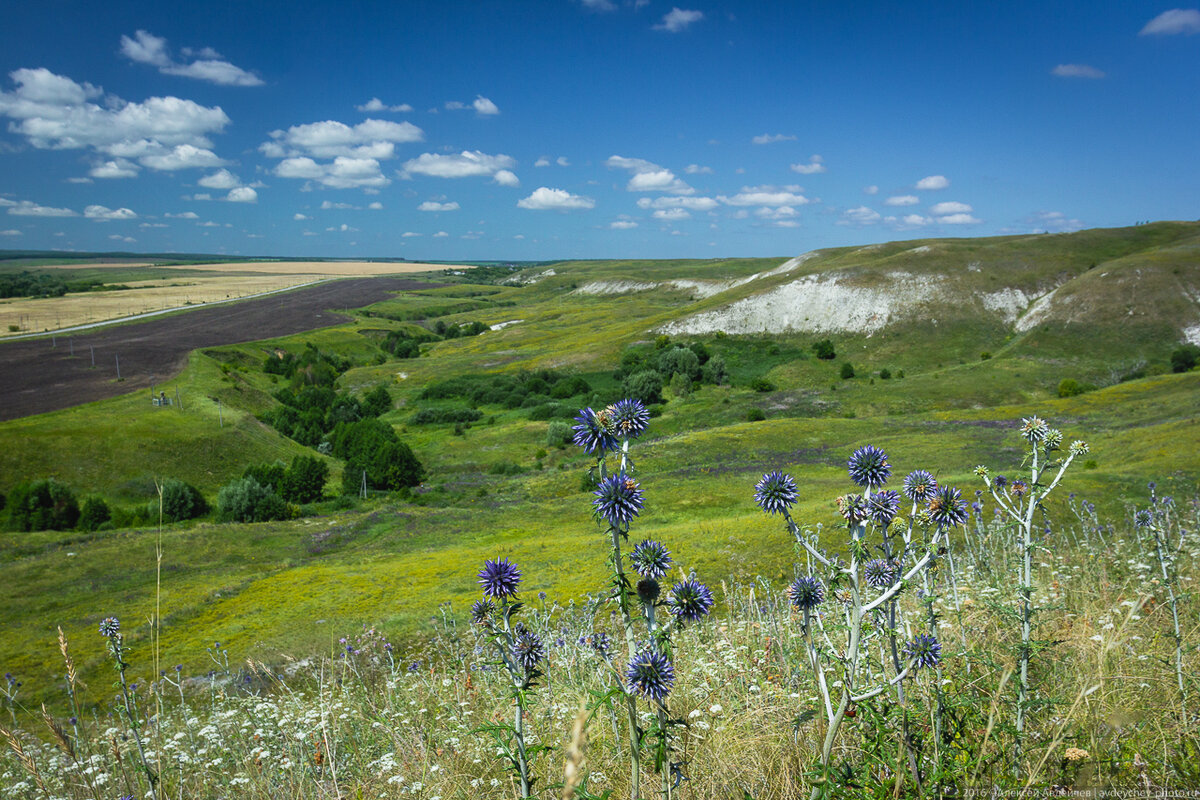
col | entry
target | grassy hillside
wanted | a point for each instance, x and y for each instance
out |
(498, 486)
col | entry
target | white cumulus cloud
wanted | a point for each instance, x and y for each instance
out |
(860, 216)
(958, 219)
(696, 169)
(441, 235)
(116, 168)
(28, 208)
(902, 200)
(11, 232)
(375, 105)
(469, 163)
(617, 225)
(951, 207)
(146, 48)
(54, 112)
(672, 214)
(648, 176)
(505, 177)
(242, 194)
(183, 215)
(1077, 71)
(103, 214)
(342, 173)
(933, 182)
(872, 189)
(484, 107)
(772, 138)
(677, 19)
(372, 138)
(298, 216)
(815, 165)
(433, 205)
(544, 198)
(766, 196)
(691, 203)
(1173, 22)
(221, 179)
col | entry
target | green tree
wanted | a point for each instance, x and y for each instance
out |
(714, 371)
(1185, 358)
(847, 370)
(824, 350)
(646, 386)
(95, 513)
(181, 501)
(42, 505)
(376, 402)
(305, 479)
(247, 500)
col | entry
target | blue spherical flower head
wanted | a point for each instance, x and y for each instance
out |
(919, 486)
(650, 674)
(776, 492)
(883, 506)
(690, 600)
(601, 644)
(481, 611)
(853, 508)
(648, 590)
(1019, 488)
(627, 418)
(880, 574)
(924, 650)
(592, 434)
(650, 559)
(806, 593)
(868, 466)
(618, 500)
(1144, 518)
(947, 507)
(527, 650)
(110, 627)
(499, 579)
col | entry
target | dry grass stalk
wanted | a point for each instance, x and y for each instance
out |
(573, 770)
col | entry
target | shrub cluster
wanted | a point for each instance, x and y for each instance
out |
(371, 447)
(644, 372)
(536, 390)
(301, 482)
(42, 505)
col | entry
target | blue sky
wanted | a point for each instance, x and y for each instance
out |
(588, 128)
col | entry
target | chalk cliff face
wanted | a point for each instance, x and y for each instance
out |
(1104, 277)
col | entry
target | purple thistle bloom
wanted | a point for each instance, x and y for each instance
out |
(868, 466)
(499, 579)
(947, 507)
(880, 574)
(618, 500)
(528, 651)
(110, 627)
(592, 434)
(883, 506)
(1020, 488)
(690, 600)
(1143, 519)
(925, 650)
(650, 559)
(1034, 429)
(648, 590)
(600, 643)
(806, 593)
(1000, 482)
(627, 418)
(481, 611)
(853, 508)
(919, 486)
(776, 492)
(651, 675)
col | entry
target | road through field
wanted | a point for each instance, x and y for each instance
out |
(36, 377)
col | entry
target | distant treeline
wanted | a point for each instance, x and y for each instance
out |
(46, 284)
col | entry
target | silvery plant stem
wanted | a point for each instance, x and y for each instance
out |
(516, 671)
(1161, 546)
(635, 740)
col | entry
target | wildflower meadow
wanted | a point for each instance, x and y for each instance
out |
(942, 639)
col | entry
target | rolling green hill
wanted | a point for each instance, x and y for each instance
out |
(972, 334)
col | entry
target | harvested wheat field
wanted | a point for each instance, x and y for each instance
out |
(227, 281)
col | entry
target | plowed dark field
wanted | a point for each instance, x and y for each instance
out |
(36, 377)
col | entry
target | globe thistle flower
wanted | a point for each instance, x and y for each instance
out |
(806, 593)
(648, 591)
(1019, 488)
(868, 466)
(1078, 448)
(853, 508)
(618, 500)
(882, 507)
(1053, 440)
(627, 418)
(880, 574)
(527, 650)
(919, 486)
(650, 559)
(600, 642)
(1034, 429)
(981, 471)
(690, 600)
(947, 507)
(1000, 482)
(592, 434)
(499, 579)
(110, 627)
(1144, 519)
(481, 610)
(924, 650)
(650, 674)
(776, 492)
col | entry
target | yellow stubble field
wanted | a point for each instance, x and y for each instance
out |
(220, 282)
